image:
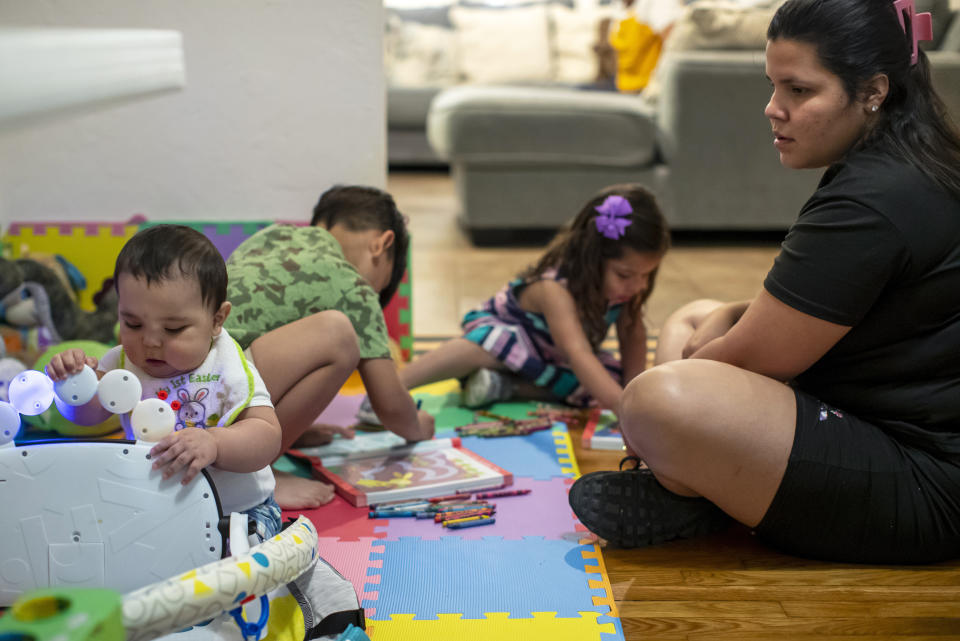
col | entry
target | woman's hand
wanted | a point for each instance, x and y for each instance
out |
(714, 325)
(190, 449)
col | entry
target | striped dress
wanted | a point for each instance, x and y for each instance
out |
(521, 340)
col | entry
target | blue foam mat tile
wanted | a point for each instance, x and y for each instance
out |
(534, 455)
(479, 576)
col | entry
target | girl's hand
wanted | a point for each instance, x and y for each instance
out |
(190, 449)
(69, 362)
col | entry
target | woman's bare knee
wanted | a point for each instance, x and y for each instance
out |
(660, 414)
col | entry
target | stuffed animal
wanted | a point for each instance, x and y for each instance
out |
(32, 294)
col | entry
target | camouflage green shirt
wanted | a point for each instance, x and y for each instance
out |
(284, 273)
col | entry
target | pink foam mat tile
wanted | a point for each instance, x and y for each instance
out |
(338, 519)
(352, 560)
(342, 410)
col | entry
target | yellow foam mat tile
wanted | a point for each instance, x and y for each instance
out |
(92, 248)
(603, 583)
(568, 462)
(497, 626)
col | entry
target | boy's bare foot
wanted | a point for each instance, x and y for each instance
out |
(296, 493)
(321, 434)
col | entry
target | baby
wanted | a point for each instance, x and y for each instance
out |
(171, 284)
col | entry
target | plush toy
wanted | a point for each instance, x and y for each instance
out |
(32, 294)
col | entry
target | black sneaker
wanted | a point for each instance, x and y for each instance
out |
(631, 509)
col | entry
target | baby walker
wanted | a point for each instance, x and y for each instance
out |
(81, 515)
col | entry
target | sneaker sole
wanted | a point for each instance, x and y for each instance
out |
(631, 509)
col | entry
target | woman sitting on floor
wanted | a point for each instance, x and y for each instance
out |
(824, 413)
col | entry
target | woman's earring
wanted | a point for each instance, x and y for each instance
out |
(874, 108)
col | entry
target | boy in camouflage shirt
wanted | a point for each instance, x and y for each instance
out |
(307, 307)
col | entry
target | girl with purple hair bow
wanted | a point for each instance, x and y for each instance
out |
(540, 335)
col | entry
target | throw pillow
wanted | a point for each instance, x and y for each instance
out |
(721, 24)
(510, 44)
(418, 53)
(715, 24)
(575, 32)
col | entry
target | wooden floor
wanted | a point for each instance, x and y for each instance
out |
(726, 586)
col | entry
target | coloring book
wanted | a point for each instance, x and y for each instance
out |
(602, 432)
(370, 472)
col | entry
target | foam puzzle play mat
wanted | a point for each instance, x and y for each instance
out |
(469, 536)
(534, 573)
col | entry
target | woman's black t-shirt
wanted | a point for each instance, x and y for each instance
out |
(877, 248)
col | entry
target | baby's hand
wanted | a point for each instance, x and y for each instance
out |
(190, 449)
(69, 362)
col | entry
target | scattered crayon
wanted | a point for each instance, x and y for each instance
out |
(443, 518)
(389, 514)
(457, 526)
(465, 519)
(504, 427)
(399, 505)
(494, 495)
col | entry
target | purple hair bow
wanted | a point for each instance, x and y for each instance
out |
(921, 24)
(612, 217)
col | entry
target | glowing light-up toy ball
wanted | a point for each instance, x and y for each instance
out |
(152, 419)
(31, 392)
(119, 391)
(79, 388)
(9, 422)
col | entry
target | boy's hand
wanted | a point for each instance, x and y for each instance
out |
(69, 362)
(190, 449)
(427, 425)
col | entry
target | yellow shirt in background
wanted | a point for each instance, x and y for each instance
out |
(638, 49)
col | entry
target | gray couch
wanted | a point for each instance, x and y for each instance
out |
(525, 159)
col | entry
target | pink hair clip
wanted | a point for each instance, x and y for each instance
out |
(921, 24)
(613, 217)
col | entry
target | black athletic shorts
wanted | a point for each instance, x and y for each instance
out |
(853, 493)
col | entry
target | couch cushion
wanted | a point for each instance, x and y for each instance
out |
(508, 44)
(541, 126)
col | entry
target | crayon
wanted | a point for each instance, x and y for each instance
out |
(465, 519)
(440, 518)
(389, 514)
(469, 508)
(494, 495)
(419, 403)
(399, 505)
(457, 526)
(448, 504)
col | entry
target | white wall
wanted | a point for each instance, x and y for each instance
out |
(283, 99)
